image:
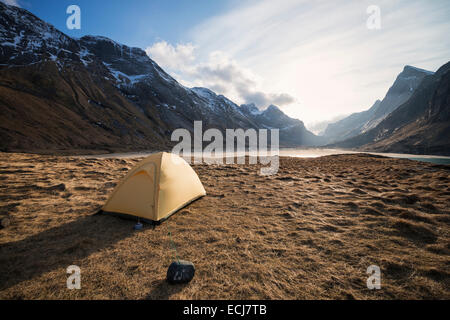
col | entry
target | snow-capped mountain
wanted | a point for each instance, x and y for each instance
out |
(93, 93)
(25, 39)
(401, 90)
(292, 131)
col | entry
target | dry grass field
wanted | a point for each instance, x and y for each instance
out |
(309, 232)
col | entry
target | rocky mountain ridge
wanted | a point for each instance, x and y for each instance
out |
(92, 93)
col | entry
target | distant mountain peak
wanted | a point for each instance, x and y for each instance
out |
(409, 68)
(251, 108)
(273, 109)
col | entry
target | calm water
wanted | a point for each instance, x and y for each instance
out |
(433, 160)
(313, 153)
(304, 153)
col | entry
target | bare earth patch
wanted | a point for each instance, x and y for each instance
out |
(309, 232)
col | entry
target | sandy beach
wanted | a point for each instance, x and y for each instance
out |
(309, 232)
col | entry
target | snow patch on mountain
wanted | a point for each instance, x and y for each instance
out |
(123, 78)
(251, 108)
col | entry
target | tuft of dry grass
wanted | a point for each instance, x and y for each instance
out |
(309, 232)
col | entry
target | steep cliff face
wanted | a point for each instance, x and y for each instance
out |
(421, 125)
(401, 90)
(350, 126)
(59, 93)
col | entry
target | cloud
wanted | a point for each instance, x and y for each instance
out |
(264, 99)
(218, 72)
(171, 57)
(11, 2)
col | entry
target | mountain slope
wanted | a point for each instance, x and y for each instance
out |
(59, 93)
(351, 125)
(420, 126)
(401, 90)
(292, 131)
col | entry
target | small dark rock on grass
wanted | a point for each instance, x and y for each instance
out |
(5, 221)
(180, 272)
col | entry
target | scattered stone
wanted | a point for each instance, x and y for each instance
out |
(180, 272)
(5, 221)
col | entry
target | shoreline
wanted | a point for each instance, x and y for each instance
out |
(295, 153)
(284, 152)
(308, 152)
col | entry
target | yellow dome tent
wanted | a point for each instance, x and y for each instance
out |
(156, 188)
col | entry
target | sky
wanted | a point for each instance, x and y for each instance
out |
(316, 60)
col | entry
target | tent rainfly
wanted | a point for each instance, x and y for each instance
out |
(156, 188)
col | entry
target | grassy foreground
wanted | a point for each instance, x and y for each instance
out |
(309, 232)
